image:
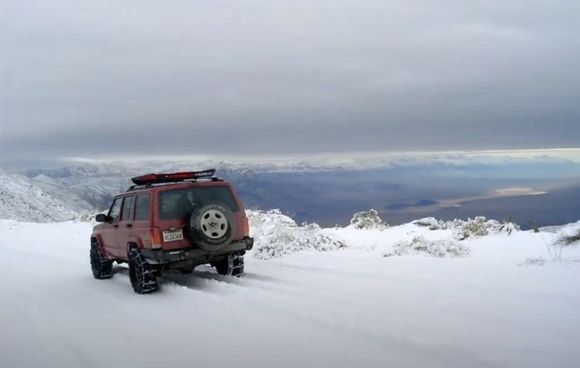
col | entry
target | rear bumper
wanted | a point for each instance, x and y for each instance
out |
(194, 255)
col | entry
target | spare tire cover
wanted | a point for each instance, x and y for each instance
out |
(212, 226)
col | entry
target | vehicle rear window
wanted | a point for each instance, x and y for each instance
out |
(180, 203)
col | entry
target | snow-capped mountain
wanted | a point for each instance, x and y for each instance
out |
(91, 186)
(21, 199)
(76, 190)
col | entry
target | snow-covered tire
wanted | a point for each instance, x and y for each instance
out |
(212, 226)
(143, 276)
(102, 268)
(232, 265)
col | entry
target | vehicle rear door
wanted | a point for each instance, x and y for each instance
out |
(110, 229)
(125, 225)
(141, 220)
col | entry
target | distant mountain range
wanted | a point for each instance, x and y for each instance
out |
(400, 191)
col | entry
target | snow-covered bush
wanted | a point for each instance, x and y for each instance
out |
(276, 235)
(432, 223)
(480, 226)
(508, 227)
(435, 248)
(472, 228)
(533, 262)
(567, 236)
(368, 220)
(572, 239)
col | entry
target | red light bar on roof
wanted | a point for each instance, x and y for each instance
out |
(172, 177)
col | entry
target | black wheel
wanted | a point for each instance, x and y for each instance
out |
(102, 267)
(232, 265)
(142, 274)
(212, 226)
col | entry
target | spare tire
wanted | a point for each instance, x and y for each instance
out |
(212, 226)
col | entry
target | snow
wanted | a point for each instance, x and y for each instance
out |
(22, 200)
(276, 234)
(436, 248)
(341, 307)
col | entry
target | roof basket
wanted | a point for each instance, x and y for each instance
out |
(172, 177)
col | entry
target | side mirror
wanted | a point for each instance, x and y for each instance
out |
(101, 217)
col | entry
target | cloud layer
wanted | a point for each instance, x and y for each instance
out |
(251, 77)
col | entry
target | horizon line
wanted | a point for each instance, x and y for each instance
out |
(570, 153)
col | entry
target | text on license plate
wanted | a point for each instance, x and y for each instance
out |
(172, 235)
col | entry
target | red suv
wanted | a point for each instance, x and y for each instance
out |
(171, 222)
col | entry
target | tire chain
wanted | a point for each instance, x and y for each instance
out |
(148, 279)
(103, 275)
(236, 264)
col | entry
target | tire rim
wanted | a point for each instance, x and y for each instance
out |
(214, 224)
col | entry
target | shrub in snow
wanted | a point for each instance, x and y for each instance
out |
(436, 248)
(432, 223)
(480, 226)
(570, 238)
(508, 227)
(472, 228)
(569, 235)
(276, 235)
(533, 262)
(368, 220)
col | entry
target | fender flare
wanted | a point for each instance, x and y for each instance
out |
(134, 242)
(99, 240)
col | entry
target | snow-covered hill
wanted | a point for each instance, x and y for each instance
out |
(413, 295)
(92, 185)
(21, 199)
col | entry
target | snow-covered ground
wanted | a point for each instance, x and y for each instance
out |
(344, 297)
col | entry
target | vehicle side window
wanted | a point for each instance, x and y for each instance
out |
(142, 207)
(128, 208)
(115, 210)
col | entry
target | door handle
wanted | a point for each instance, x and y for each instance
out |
(129, 225)
(115, 225)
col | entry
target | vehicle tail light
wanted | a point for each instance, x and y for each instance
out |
(246, 226)
(155, 237)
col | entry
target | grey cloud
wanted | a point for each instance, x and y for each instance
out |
(82, 78)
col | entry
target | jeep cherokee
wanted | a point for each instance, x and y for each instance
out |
(171, 222)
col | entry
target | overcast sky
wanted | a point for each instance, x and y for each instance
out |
(286, 76)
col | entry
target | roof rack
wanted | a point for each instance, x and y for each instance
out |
(150, 179)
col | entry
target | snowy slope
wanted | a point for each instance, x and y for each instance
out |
(91, 186)
(64, 192)
(308, 305)
(20, 199)
(83, 186)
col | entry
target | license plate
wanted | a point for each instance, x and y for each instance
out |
(172, 235)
